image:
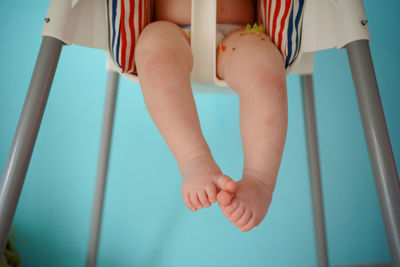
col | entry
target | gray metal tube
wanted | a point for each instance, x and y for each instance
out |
(377, 137)
(26, 133)
(104, 153)
(315, 175)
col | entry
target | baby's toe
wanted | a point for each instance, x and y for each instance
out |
(224, 198)
(227, 184)
(203, 199)
(228, 210)
(187, 202)
(195, 200)
(244, 219)
(250, 225)
(235, 216)
(211, 191)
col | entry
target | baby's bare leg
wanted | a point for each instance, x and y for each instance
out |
(164, 61)
(253, 67)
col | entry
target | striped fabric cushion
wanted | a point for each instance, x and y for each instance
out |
(282, 20)
(127, 18)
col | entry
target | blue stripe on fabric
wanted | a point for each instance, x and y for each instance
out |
(114, 15)
(114, 23)
(289, 37)
(117, 48)
(118, 40)
(298, 16)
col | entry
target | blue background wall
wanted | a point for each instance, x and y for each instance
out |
(145, 220)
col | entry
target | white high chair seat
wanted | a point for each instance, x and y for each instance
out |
(326, 24)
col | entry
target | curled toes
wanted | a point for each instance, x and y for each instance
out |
(195, 200)
(231, 208)
(187, 202)
(211, 191)
(244, 219)
(250, 225)
(203, 199)
(237, 214)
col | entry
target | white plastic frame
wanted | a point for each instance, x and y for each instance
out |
(326, 24)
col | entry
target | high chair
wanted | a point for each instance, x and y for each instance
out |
(322, 24)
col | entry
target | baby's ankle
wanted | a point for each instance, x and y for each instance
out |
(193, 154)
(262, 179)
(201, 162)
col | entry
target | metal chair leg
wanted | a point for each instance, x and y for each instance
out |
(313, 163)
(26, 134)
(377, 137)
(108, 118)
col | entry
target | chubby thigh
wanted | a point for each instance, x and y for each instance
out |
(243, 56)
(162, 43)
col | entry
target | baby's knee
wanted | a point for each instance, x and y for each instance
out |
(261, 76)
(264, 65)
(156, 34)
(254, 63)
(162, 44)
(257, 77)
(268, 72)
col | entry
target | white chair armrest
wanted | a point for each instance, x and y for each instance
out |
(81, 22)
(332, 23)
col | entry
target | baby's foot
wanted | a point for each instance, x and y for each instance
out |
(249, 204)
(202, 180)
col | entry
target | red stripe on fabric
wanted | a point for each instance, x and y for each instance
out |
(276, 12)
(268, 19)
(140, 16)
(133, 36)
(260, 19)
(282, 23)
(123, 36)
